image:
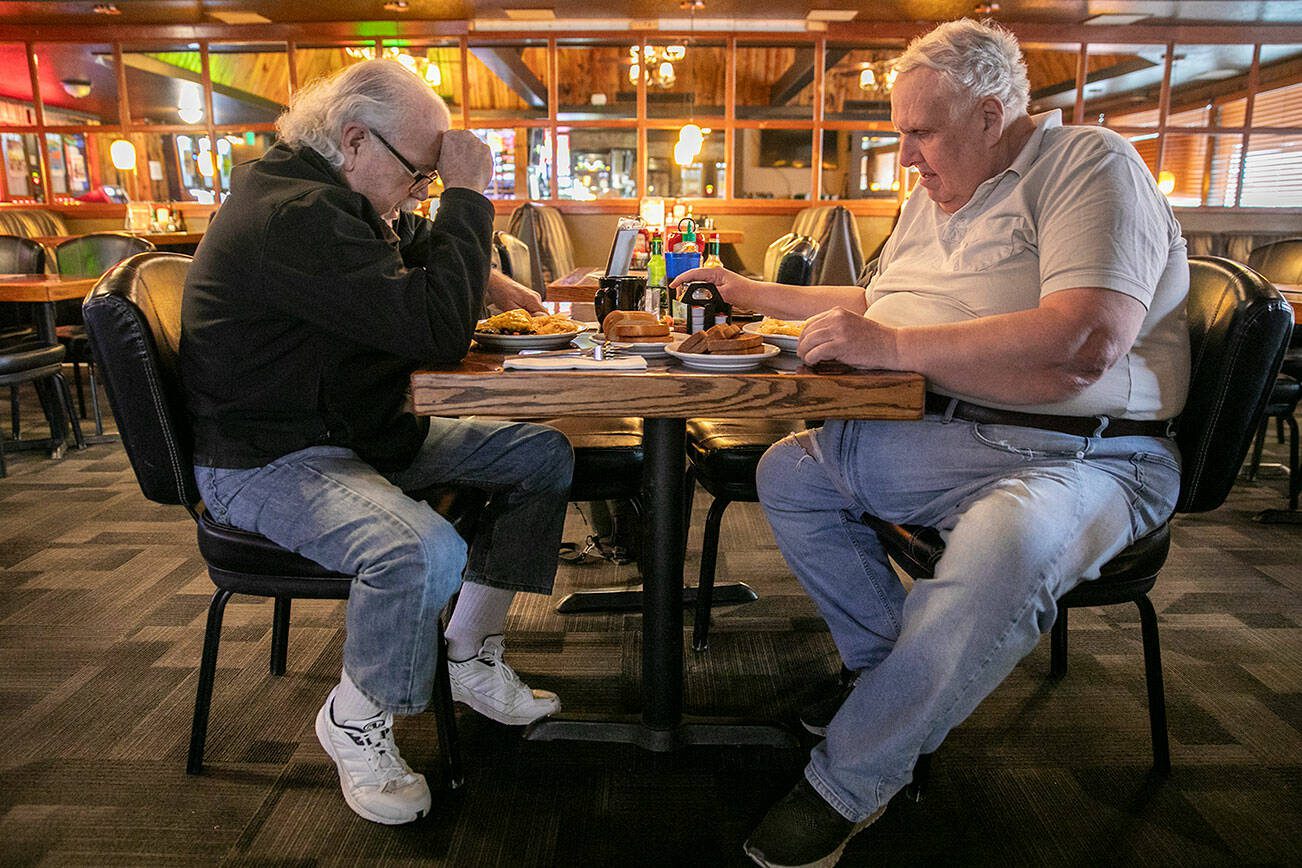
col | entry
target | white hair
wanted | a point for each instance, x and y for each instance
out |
(978, 58)
(382, 94)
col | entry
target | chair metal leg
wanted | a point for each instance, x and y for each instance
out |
(913, 791)
(94, 398)
(15, 418)
(1257, 446)
(73, 419)
(445, 719)
(1294, 470)
(280, 635)
(1156, 691)
(689, 494)
(81, 397)
(1058, 646)
(705, 585)
(212, 635)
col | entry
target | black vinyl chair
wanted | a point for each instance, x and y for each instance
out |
(133, 323)
(42, 366)
(1239, 328)
(88, 255)
(1281, 262)
(18, 255)
(723, 454)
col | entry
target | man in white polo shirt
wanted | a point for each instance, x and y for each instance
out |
(1039, 285)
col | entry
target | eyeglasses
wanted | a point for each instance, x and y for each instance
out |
(418, 178)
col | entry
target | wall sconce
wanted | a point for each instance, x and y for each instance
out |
(75, 87)
(878, 76)
(123, 154)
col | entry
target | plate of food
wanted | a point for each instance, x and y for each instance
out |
(516, 330)
(781, 333)
(722, 348)
(636, 331)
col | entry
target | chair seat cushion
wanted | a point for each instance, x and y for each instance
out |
(1283, 396)
(249, 563)
(725, 452)
(1129, 574)
(607, 456)
(25, 357)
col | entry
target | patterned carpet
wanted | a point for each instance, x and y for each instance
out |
(102, 604)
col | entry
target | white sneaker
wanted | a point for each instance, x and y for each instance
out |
(377, 783)
(490, 686)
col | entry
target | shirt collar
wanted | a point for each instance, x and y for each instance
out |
(1025, 158)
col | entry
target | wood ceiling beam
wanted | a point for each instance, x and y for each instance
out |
(507, 63)
(800, 74)
(154, 66)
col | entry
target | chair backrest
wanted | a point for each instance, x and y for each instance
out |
(1280, 262)
(20, 255)
(840, 253)
(31, 222)
(543, 231)
(513, 253)
(1239, 327)
(796, 267)
(133, 322)
(92, 255)
(867, 272)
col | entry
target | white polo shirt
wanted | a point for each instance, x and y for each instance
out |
(1077, 208)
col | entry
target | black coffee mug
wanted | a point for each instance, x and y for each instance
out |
(619, 293)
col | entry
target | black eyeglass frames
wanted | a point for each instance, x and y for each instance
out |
(418, 178)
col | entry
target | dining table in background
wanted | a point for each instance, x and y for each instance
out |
(1292, 293)
(44, 291)
(182, 242)
(664, 396)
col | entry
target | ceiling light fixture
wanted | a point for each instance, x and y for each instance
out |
(190, 106)
(396, 6)
(985, 9)
(1115, 19)
(878, 77)
(75, 87)
(831, 14)
(106, 9)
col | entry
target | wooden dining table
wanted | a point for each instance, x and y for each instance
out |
(161, 240)
(43, 291)
(664, 396)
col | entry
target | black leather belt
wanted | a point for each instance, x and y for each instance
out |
(1077, 426)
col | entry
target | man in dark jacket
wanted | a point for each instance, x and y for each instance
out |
(304, 314)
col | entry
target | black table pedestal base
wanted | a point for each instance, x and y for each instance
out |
(630, 599)
(689, 732)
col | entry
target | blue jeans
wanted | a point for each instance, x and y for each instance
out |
(328, 505)
(1027, 514)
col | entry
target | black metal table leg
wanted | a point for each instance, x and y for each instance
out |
(662, 727)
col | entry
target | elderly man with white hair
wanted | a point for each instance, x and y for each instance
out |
(1039, 285)
(310, 302)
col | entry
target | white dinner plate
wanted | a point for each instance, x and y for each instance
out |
(714, 362)
(650, 349)
(786, 343)
(515, 343)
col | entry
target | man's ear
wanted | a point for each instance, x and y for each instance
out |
(350, 142)
(992, 118)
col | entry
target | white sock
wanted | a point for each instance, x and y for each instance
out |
(480, 613)
(351, 703)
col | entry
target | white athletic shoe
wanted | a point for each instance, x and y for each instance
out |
(490, 686)
(377, 783)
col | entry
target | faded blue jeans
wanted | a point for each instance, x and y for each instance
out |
(1027, 515)
(328, 505)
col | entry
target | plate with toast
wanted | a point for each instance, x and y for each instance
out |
(723, 347)
(636, 331)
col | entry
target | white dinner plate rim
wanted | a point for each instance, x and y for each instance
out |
(525, 342)
(721, 362)
(786, 343)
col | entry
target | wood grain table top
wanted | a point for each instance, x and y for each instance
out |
(43, 287)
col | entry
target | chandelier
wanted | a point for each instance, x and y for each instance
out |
(658, 63)
(877, 77)
(421, 66)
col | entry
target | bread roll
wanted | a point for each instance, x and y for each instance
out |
(640, 329)
(618, 316)
(739, 346)
(694, 344)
